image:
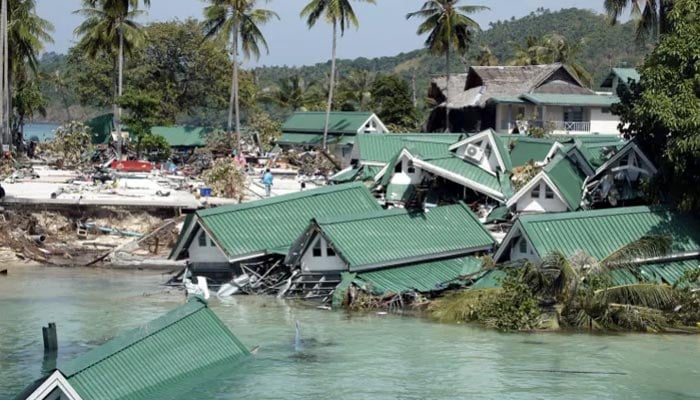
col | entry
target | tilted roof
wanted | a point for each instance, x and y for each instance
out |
(568, 179)
(423, 277)
(141, 362)
(451, 167)
(314, 122)
(258, 227)
(396, 237)
(101, 128)
(524, 149)
(623, 74)
(182, 136)
(381, 148)
(602, 232)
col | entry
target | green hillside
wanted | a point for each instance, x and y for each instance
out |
(603, 46)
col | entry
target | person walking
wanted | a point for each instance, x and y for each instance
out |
(267, 181)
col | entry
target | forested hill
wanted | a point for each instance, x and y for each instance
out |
(602, 46)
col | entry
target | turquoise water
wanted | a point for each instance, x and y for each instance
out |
(345, 356)
(42, 131)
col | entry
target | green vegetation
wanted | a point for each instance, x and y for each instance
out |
(663, 111)
(339, 14)
(391, 101)
(552, 48)
(449, 31)
(651, 17)
(72, 141)
(578, 293)
(241, 21)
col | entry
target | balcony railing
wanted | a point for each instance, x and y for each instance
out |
(566, 126)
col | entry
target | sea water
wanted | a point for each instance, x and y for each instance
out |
(340, 355)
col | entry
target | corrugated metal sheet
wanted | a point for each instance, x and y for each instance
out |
(256, 227)
(490, 280)
(597, 153)
(382, 148)
(382, 239)
(399, 193)
(101, 128)
(623, 74)
(523, 149)
(313, 139)
(664, 272)
(468, 171)
(346, 175)
(340, 122)
(186, 340)
(568, 178)
(423, 277)
(182, 136)
(602, 232)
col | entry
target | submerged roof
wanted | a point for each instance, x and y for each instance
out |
(423, 277)
(602, 232)
(383, 239)
(314, 122)
(138, 363)
(182, 136)
(255, 228)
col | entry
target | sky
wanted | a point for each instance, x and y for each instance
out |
(384, 30)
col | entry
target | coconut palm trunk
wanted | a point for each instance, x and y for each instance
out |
(120, 85)
(234, 104)
(447, 90)
(329, 106)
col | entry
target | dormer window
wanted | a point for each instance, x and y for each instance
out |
(548, 192)
(536, 192)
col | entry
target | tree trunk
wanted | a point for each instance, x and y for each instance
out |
(447, 90)
(6, 133)
(330, 89)
(117, 109)
(233, 101)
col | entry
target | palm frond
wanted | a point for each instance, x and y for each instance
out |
(647, 247)
(654, 296)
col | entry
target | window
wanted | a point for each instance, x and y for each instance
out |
(202, 239)
(573, 114)
(411, 168)
(522, 245)
(329, 251)
(399, 167)
(605, 110)
(536, 192)
(317, 249)
(548, 192)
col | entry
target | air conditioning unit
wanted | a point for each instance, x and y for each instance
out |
(474, 152)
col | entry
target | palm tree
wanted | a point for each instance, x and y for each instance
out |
(486, 57)
(529, 53)
(449, 29)
(26, 35)
(291, 93)
(355, 90)
(240, 21)
(110, 28)
(652, 16)
(339, 14)
(553, 48)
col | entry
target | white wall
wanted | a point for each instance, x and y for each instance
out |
(309, 263)
(489, 163)
(205, 254)
(541, 204)
(603, 123)
(404, 177)
(516, 254)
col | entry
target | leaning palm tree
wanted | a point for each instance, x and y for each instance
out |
(239, 20)
(652, 16)
(339, 14)
(449, 30)
(110, 28)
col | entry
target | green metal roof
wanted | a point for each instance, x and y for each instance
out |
(498, 214)
(490, 280)
(138, 363)
(422, 277)
(568, 178)
(593, 100)
(182, 238)
(346, 175)
(101, 128)
(524, 149)
(388, 238)
(623, 74)
(314, 139)
(182, 136)
(602, 232)
(669, 272)
(399, 193)
(314, 122)
(597, 153)
(382, 148)
(257, 227)
(471, 172)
